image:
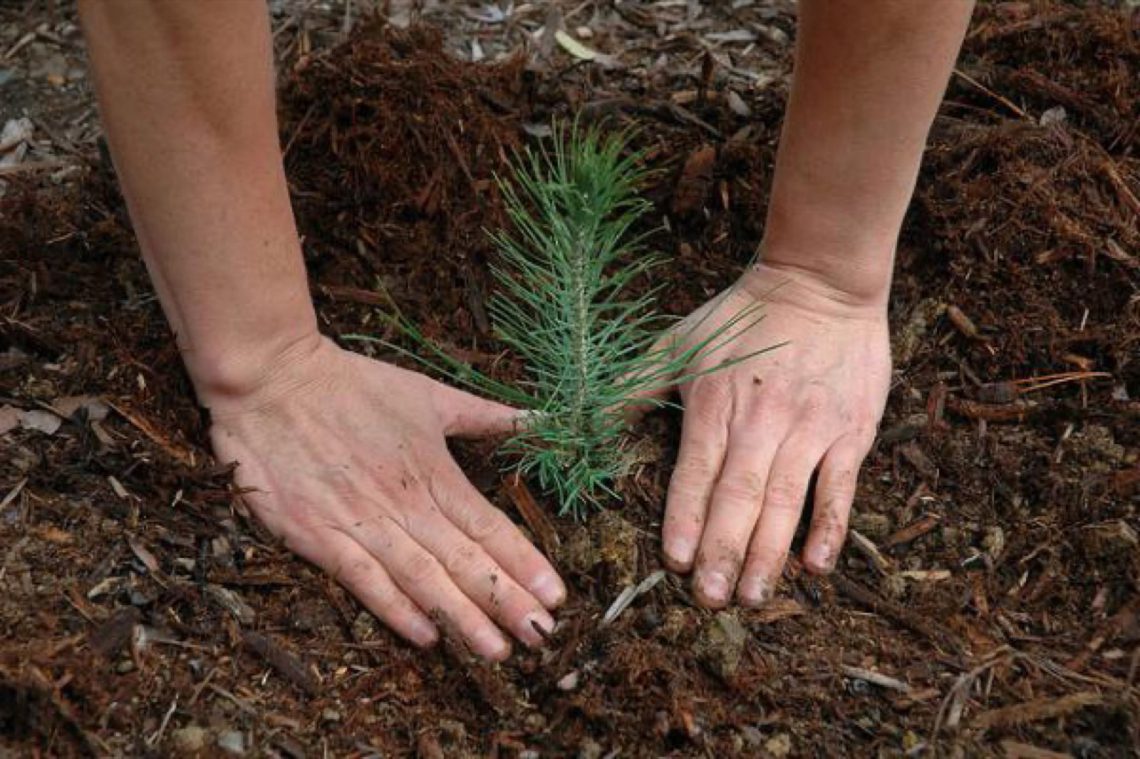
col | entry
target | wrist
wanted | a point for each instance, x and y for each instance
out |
(799, 287)
(233, 376)
(851, 263)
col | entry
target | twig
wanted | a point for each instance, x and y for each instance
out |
(288, 665)
(1001, 99)
(157, 735)
(532, 514)
(904, 617)
(875, 678)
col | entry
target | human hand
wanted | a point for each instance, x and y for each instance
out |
(349, 466)
(754, 433)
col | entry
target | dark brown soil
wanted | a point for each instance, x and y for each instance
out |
(141, 613)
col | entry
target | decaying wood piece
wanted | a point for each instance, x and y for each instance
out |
(1037, 710)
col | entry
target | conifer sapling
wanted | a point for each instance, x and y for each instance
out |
(564, 305)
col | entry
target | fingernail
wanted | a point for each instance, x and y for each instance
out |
(680, 551)
(536, 622)
(714, 586)
(549, 589)
(489, 643)
(423, 633)
(822, 559)
(755, 591)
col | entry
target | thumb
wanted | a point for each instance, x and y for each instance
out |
(467, 415)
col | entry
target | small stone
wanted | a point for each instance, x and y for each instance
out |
(737, 105)
(535, 722)
(330, 715)
(874, 526)
(893, 586)
(125, 666)
(675, 622)
(364, 627)
(911, 741)
(753, 738)
(189, 740)
(577, 552)
(1054, 115)
(232, 742)
(1095, 448)
(994, 541)
(909, 338)
(617, 547)
(720, 644)
(589, 749)
(779, 745)
(569, 681)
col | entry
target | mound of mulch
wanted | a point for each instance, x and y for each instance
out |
(392, 149)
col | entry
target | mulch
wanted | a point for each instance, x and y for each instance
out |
(990, 601)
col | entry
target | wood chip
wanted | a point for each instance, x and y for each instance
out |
(144, 555)
(875, 678)
(917, 458)
(776, 609)
(913, 531)
(111, 636)
(287, 665)
(1036, 710)
(534, 515)
(1017, 750)
(962, 322)
(233, 603)
(867, 547)
(900, 615)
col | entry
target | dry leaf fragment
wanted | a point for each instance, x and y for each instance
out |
(574, 47)
(144, 554)
(93, 406)
(9, 418)
(41, 421)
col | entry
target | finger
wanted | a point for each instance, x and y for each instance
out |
(422, 577)
(500, 538)
(364, 577)
(704, 432)
(734, 510)
(780, 511)
(483, 580)
(466, 415)
(834, 494)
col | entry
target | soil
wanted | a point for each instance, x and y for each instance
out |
(988, 605)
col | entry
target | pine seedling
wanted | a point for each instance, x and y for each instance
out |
(563, 305)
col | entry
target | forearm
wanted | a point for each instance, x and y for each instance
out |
(868, 78)
(186, 93)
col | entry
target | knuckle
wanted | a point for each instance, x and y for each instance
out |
(461, 560)
(421, 567)
(742, 486)
(481, 524)
(784, 494)
(694, 467)
(354, 574)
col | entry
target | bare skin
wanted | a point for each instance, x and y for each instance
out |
(867, 82)
(347, 455)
